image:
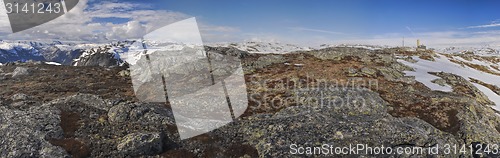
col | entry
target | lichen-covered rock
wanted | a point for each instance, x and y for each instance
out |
(477, 110)
(464, 87)
(137, 144)
(264, 61)
(119, 113)
(390, 74)
(140, 113)
(340, 53)
(369, 72)
(352, 72)
(26, 133)
(340, 122)
(87, 99)
(100, 124)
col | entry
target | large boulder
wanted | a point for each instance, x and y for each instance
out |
(20, 71)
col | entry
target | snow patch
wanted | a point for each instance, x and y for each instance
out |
(490, 94)
(443, 64)
(422, 75)
(53, 63)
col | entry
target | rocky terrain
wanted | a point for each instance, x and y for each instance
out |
(335, 95)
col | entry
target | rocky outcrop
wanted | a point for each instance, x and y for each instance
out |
(25, 132)
(262, 62)
(463, 87)
(229, 51)
(79, 126)
(478, 109)
(110, 128)
(99, 59)
(64, 57)
(339, 122)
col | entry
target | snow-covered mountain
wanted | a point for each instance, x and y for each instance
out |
(48, 51)
(104, 55)
(18, 52)
(264, 47)
(117, 53)
(481, 51)
(369, 47)
(73, 53)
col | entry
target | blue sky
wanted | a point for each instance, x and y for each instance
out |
(349, 16)
(381, 22)
(331, 21)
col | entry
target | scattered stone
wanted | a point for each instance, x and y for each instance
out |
(264, 61)
(440, 82)
(20, 71)
(352, 72)
(390, 73)
(23, 105)
(124, 73)
(86, 99)
(33, 62)
(20, 97)
(369, 72)
(298, 65)
(410, 59)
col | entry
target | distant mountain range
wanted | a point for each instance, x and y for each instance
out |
(54, 51)
(116, 53)
(482, 51)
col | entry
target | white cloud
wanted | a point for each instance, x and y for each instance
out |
(484, 26)
(494, 23)
(80, 23)
(132, 29)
